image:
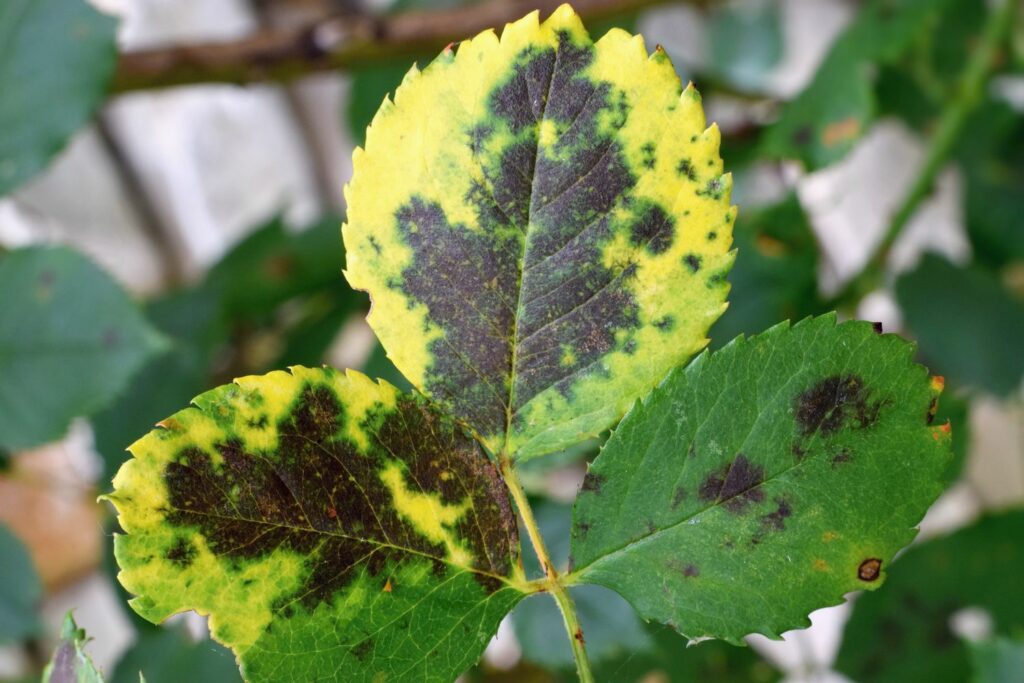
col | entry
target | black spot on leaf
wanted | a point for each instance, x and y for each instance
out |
(834, 402)
(736, 486)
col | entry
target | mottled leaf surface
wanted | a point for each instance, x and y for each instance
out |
(902, 632)
(764, 480)
(56, 57)
(543, 225)
(70, 663)
(70, 341)
(332, 527)
(20, 590)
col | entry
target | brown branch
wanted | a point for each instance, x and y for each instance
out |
(339, 42)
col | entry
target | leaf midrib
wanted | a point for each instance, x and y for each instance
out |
(510, 412)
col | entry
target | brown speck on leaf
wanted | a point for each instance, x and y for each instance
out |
(877, 327)
(579, 635)
(820, 565)
(387, 586)
(869, 569)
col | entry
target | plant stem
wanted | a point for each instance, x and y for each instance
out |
(553, 582)
(968, 95)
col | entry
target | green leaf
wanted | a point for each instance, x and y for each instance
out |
(192, 321)
(20, 591)
(824, 121)
(169, 655)
(543, 225)
(999, 660)
(55, 63)
(70, 340)
(326, 523)
(763, 481)
(745, 43)
(70, 663)
(993, 161)
(775, 277)
(902, 632)
(968, 325)
(273, 265)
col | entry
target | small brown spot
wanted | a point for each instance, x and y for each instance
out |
(840, 132)
(592, 483)
(387, 586)
(841, 457)
(932, 409)
(877, 327)
(579, 635)
(829, 536)
(820, 565)
(869, 569)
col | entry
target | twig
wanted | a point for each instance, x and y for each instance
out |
(339, 42)
(968, 95)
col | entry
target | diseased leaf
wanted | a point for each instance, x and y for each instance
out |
(902, 632)
(20, 590)
(70, 340)
(56, 59)
(968, 325)
(764, 481)
(1000, 660)
(332, 527)
(825, 120)
(543, 225)
(70, 663)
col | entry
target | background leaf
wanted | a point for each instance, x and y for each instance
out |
(823, 122)
(775, 276)
(20, 590)
(169, 655)
(764, 481)
(999, 660)
(968, 325)
(326, 523)
(903, 631)
(70, 340)
(547, 251)
(57, 58)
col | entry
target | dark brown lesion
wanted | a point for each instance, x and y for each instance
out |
(736, 486)
(320, 494)
(833, 403)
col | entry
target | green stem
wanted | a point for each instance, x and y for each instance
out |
(968, 95)
(553, 582)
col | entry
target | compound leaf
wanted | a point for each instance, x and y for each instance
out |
(70, 341)
(902, 632)
(70, 663)
(56, 60)
(332, 527)
(543, 225)
(764, 480)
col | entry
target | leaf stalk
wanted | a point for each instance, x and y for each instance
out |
(553, 582)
